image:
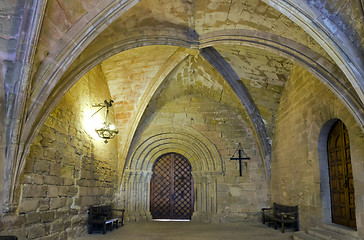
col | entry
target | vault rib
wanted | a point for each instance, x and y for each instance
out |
(242, 93)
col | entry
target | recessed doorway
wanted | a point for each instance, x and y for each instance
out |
(341, 176)
(171, 192)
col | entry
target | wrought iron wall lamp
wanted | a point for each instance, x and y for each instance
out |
(106, 130)
(241, 156)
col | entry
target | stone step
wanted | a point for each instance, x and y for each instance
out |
(301, 235)
(321, 233)
(341, 229)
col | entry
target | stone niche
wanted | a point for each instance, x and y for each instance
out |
(195, 114)
(68, 168)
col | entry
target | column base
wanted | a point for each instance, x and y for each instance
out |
(138, 217)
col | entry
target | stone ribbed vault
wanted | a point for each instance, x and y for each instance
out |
(133, 47)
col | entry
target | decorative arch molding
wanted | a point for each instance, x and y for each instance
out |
(200, 151)
(203, 155)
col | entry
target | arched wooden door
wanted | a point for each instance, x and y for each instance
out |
(341, 177)
(171, 191)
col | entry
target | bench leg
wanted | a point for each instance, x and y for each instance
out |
(104, 229)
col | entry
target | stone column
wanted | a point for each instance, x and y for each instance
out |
(137, 191)
(205, 200)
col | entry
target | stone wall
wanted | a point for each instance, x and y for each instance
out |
(67, 169)
(307, 107)
(195, 101)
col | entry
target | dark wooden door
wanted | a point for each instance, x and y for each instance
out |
(341, 177)
(171, 188)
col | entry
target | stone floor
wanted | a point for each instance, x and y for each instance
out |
(191, 231)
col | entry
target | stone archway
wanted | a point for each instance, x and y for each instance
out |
(205, 160)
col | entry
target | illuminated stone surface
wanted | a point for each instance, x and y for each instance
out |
(193, 77)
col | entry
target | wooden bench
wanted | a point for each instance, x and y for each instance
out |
(100, 217)
(281, 214)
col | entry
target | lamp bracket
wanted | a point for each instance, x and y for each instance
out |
(106, 104)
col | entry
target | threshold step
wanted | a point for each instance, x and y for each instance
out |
(321, 233)
(341, 229)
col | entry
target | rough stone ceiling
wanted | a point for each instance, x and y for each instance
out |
(263, 73)
(129, 73)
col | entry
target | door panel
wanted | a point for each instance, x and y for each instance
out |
(182, 188)
(172, 188)
(341, 177)
(160, 184)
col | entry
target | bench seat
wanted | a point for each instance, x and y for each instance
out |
(102, 217)
(281, 214)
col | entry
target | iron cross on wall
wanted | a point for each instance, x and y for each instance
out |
(242, 156)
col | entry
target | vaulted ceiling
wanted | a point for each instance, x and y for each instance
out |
(251, 44)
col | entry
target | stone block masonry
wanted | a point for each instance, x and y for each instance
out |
(67, 170)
